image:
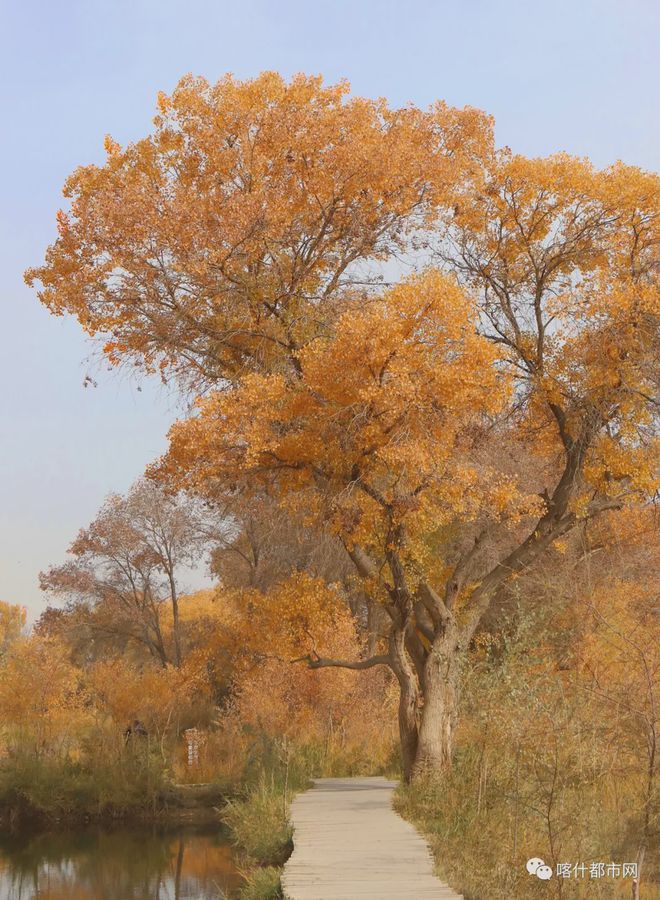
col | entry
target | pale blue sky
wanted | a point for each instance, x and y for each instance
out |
(580, 76)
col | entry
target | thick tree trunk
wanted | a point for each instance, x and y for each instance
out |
(440, 707)
(408, 728)
(408, 702)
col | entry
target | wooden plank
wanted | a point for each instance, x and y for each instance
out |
(349, 844)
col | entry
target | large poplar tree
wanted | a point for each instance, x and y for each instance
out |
(241, 248)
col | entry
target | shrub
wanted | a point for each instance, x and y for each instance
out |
(262, 884)
(259, 824)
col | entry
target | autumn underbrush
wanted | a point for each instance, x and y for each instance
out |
(262, 884)
(54, 788)
(474, 850)
(258, 815)
(258, 821)
(544, 767)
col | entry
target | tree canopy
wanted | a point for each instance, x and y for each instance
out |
(448, 428)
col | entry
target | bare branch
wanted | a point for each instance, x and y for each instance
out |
(317, 662)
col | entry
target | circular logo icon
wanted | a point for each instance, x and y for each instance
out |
(533, 864)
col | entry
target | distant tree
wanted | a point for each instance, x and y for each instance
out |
(126, 565)
(265, 542)
(12, 623)
(268, 542)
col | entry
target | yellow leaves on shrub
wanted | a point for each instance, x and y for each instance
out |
(158, 696)
(41, 693)
(12, 623)
(299, 615)
(303, 616)
(621, 629)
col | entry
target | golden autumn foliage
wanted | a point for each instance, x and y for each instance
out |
(465, 441)
(255, 642)
(277, 696)
(163, 699)
(42, 698)
(295, 616)
(108, 732)
(565, 258)
(12, 623)
(386, 414)
(208, 246)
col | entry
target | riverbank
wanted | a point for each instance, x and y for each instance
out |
(253, 817)
(259, 822)
(184, 804)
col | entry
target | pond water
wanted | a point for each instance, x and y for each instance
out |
(127, 863)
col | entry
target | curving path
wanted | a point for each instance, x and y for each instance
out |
(349, 844)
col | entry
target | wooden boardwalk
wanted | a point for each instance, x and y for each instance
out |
(349, 844)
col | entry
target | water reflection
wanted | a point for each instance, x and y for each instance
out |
(132, 863)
